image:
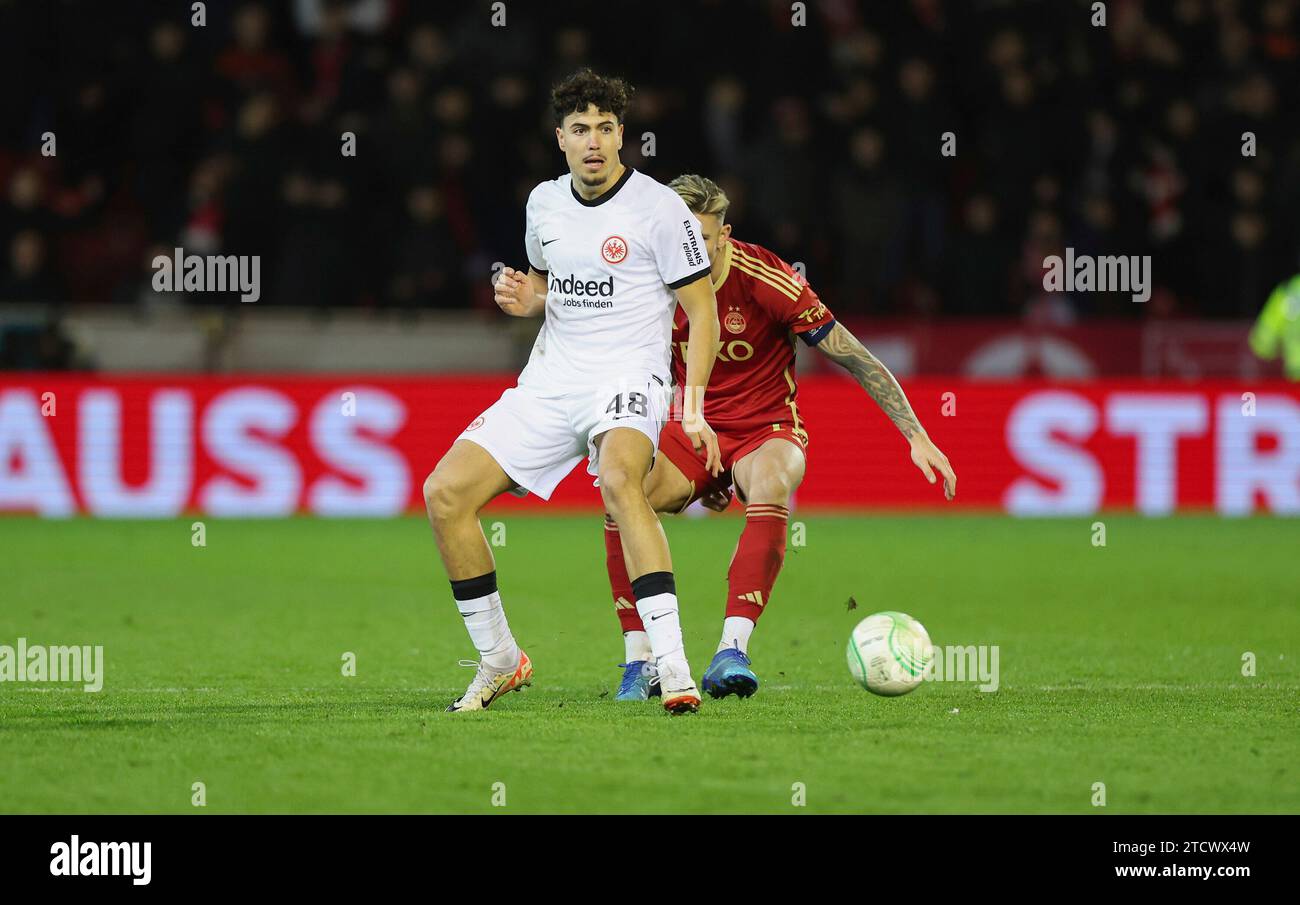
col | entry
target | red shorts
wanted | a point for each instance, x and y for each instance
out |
(734, 445)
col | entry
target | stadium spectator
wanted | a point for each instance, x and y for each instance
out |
(1126, 139)
(28, 278)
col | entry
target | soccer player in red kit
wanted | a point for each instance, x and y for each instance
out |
(763, 304)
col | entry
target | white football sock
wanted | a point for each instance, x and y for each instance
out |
(485, 620)
(636, 646)
(663, 627)
(735, 633)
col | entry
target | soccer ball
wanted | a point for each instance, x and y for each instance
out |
(889, 653)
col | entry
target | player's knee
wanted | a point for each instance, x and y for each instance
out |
(773, 488)
(440, 496)
(618, 485)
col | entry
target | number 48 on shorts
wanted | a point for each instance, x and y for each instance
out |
(631, 402)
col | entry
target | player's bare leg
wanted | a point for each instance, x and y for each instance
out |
(766, 478)
(770, 474)
(666, 490)
(464, 481)
(625, 456)
(624, 464)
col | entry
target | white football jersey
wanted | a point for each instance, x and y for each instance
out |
(611, 265)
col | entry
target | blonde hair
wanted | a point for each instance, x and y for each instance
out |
(701, 195)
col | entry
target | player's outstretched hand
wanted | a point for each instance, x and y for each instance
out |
(927, 457)
(514, 293)
(703, 437)
(717, 499)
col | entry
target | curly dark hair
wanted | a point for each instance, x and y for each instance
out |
(574, 93)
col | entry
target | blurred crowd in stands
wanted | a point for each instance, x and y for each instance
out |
(226, 138)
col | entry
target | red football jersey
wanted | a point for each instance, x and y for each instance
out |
(762, 303)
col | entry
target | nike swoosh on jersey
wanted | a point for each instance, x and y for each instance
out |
(549, 241)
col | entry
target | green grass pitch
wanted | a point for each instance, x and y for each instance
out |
(1119, 664)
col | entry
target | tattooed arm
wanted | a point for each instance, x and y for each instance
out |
(843, 348)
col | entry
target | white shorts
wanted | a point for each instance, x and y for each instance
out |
(537, 436)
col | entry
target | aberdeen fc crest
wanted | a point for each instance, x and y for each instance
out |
(613, 249)
(734, 321)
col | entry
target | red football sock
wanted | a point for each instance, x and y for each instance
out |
(619, 583)
(757, 560)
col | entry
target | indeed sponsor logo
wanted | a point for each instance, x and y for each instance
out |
(571, 285)
(590, 293)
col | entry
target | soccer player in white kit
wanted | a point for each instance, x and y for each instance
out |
(607, 249)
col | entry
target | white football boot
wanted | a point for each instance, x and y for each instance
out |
(488, 685)
(678, 688)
